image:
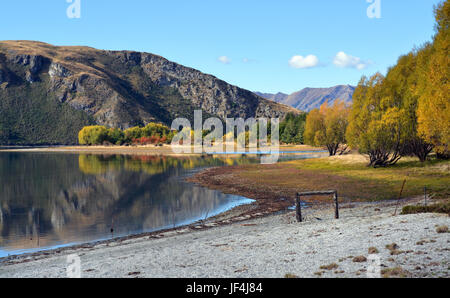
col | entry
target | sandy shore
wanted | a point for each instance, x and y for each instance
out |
(131, 150)
(270, 246)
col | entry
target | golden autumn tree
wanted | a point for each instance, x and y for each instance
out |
(326, 127)
(400, 90)
(376, 123)
(92, 135)
(434, 86)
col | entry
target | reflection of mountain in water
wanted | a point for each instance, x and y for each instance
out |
(72, 198)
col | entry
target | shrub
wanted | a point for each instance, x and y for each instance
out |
(116, 136)
(153, 133)
(442, 207)
(92, 135)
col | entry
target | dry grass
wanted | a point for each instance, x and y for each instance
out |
(318, 273)
(396, 272)
(373, 250)
(359, 259)
(330, 266)
(392, 246)
(396, 252)
(442, 229)
(440, 207)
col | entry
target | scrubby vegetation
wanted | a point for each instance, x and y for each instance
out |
(28, 116)
(153, 133)
(440, 207)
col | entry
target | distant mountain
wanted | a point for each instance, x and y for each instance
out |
(48, 93)
(312, 98)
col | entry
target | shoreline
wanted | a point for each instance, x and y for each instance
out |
(139, 150)
(238, 213)
(267, 246)
(271, 206)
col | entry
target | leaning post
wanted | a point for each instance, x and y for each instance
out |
(336, 212)
(298, 208)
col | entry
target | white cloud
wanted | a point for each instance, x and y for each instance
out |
(304, 62)
(224, 59)
(347, 61)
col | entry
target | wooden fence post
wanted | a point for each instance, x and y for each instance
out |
(336, 212)
(298, 208)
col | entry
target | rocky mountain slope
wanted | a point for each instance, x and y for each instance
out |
(47, 93)
(312, 98)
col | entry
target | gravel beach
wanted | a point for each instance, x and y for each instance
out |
(269, 246)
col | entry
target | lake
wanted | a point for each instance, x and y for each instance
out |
(50, 200)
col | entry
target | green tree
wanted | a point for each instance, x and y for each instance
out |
(116, 136)
(133, 133)
(292, 129)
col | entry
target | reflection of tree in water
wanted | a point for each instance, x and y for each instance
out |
(84, 194)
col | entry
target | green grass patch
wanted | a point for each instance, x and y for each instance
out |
(441, 207)
(386, 182)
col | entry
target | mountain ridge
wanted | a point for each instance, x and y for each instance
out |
(113, 88)
(308, 99)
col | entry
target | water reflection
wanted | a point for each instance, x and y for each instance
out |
(69, 198)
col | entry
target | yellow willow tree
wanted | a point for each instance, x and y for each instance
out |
(400, 87)
(326, 127)
(92, 135)
(377, 125)
(434, 86)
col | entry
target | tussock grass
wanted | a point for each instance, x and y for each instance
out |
(359, 259)
(329, 267)
(442, 229)
(441, 207)
(396, 272)
(373, 250)
(392, 246)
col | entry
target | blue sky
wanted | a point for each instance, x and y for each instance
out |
(260, 45)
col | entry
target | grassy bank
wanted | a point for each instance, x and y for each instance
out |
(348, 174)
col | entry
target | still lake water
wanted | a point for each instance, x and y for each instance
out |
(77, 198)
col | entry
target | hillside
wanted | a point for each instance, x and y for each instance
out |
(48, 93)
(312, 98)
